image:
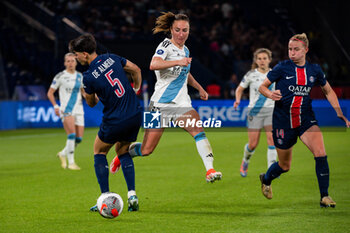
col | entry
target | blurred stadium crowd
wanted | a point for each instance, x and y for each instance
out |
(224, 34)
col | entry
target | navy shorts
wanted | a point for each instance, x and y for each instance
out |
(286, 138)
(126, 130)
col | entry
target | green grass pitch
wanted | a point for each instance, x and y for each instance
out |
(37, 195)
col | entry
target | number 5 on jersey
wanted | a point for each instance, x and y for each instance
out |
(120, 89)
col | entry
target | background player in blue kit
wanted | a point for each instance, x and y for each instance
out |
(105, 80)
(293, 116)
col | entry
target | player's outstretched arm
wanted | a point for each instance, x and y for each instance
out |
(159, 63)
(264, 90)
(135, 73)
(193, 83)
(333, 100)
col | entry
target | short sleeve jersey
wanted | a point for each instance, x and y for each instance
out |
(258, 104)
(69, 86)
(106, 77)
(295, 83)
(171, 85)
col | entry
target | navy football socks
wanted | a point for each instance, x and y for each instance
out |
(272, 173)
(102, 172)
(127, 165)
(322, 172)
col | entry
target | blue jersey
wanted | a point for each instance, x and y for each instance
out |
(106, 77)
(295, 83)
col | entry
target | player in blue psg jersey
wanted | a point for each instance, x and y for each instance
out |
(293, 116)
(105, 80)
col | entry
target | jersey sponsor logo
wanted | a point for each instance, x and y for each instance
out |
(176, 70)
(160, 51)
(299, 90)
(289, 77)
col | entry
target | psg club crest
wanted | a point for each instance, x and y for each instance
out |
(312, 79)
(152, 120)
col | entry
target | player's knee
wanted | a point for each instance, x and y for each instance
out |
(319, 152)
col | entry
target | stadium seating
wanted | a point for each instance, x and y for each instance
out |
(223, 36)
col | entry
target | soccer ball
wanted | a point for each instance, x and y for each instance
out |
(110, 205)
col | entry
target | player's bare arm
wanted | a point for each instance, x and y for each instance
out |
(83, 93)
(135, 73)
(51, 97)
(333, 100)
(193, 83)
(238, 94)
(91, 99)
(158, 63)
(264, 90)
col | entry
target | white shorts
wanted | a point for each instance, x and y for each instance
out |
(78, 118)
(170, 112)
(258, 122)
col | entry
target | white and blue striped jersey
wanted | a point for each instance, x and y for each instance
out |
(69, 93)
(171, 85)
(258, 104)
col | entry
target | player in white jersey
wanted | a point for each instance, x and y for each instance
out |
(175, 76)
(171, 63)
(260, 108)
(71, 112)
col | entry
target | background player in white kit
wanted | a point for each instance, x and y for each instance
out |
(260, 108)
(171, 63)
(71, 112)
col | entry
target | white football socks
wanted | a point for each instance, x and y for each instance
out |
(204, 150)
(271, 155)
(70, 146)
(247, 154)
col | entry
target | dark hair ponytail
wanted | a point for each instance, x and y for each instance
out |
(166, 20)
